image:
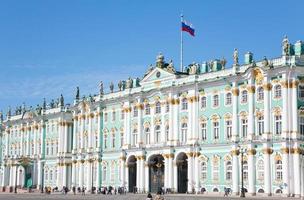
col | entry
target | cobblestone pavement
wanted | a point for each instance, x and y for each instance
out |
(123, 197)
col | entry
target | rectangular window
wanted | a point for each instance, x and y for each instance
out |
(216, 130)
(204, 131)
(113, 116)
(301, 124)
(260, 125)
(203, 102)
(301, 91)
(278, 124)
(215, 100)
(228, 129)
(244, 127)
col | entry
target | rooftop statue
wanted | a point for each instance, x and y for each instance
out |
(285, 46)
(265, 62)
(61, 100)
(38, 109)
(1, 116)
(160, 60)
(129, 83)
(9, 112)
(77, 93)
(149, 70)
(23, 108)
(170, 67)
(91, 99)
(193, 68)
(111, 87)
(223, 62)
(44, 104)
(101, 88)
(120, 85)
(52, 104)
(236, 57)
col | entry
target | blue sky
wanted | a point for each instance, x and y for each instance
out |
(49, 47)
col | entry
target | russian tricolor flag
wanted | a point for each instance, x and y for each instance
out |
(187, 28)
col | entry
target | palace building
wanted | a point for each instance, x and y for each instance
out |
(206, 128)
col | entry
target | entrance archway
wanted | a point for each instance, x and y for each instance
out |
(182, 172)
(156, 173)
(132, 173)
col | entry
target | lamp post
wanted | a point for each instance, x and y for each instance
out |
(242, 173)
(16, 180)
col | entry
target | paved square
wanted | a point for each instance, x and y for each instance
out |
(122, 197)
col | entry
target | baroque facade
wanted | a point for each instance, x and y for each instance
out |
(188, 131)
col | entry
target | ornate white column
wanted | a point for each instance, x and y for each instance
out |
(251, 104)
(166, 178)
(98, 115)
(267, 151)
(81, 171)
(91, 133)
(285, 170)
(89, 175)
(98, 182)
(82, 128)
(267, 89)
(170, 171)
(152, 128)
(122, 170)
(64, 174)
(251, 169)
(74, 173)
(171, 119)
(195, 117)
(235, 170)
(285, 125)
(146, 176)
(190, 117)
(294, 105)
(139, 122)
(35, 127)
(175, 176)
(197, 172)
(190, 172)
(127, 124)
(142, 173)
(296, 170)
(75, 132)
(176, 126)
(138, 175)
(235, 104)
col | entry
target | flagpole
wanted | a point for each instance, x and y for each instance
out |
(181, 47)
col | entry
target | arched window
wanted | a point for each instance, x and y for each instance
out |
(167, 132)
(203, 102)
(147, 132)
(184, 130)
(216, 100)
(279, 170)
(244, 96)
(157, 108)
(228, 99)
(245, 170)
(203, 171)
(228, 171)
(260, 170)
(157, 134)
(215, 170)
(260, 94)
(51, 175)
(278, 124)
(147, 109)
(104, 173)
(184, 104)
(106, 117)
(277, 91)
(135, 111)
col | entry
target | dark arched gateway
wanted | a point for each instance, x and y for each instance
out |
(156, 173)
(182, 173)
(132, 173)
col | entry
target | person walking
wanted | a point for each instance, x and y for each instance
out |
(149, 196)
(159, 196)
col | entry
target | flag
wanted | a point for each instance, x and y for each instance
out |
(187, 28)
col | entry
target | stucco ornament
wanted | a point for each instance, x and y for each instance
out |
(265, 62)
(223, 63)
(285, 46)
(236, 57)
(160, 60)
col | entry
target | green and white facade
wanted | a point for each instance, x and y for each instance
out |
(184, 131)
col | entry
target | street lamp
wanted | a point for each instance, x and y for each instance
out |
(242, 151)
